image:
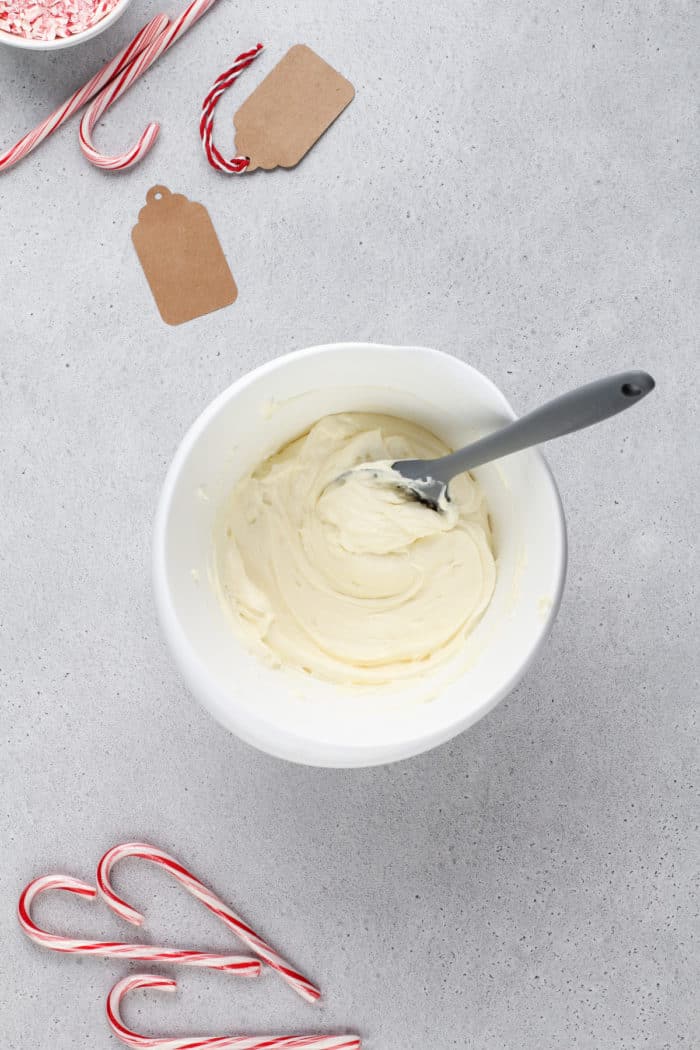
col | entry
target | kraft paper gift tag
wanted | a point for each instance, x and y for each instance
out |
(279, 123)
(181, 257)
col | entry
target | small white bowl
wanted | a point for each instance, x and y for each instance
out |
(303, 719)
(12, 40)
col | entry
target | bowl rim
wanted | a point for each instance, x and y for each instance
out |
(26, 44)
(262, 733)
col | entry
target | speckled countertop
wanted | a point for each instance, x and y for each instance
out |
(514, 184)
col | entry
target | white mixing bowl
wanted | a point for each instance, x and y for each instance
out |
(307, 720)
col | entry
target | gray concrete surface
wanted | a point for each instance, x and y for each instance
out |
(515, 184)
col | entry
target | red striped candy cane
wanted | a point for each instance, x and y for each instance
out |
(298, 982)
(83, 95)
(236, 964)
(214, 1042)
(122, 84)
(236, 165)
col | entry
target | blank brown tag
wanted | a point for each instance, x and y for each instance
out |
(181, 257)
(279, 123)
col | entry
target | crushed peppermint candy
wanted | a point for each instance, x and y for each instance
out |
(52, 19)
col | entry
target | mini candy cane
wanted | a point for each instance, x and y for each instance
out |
(237, 964)
(203, 1042)
(298, 982)
(122, 83)
(236, 165)
(77, 100)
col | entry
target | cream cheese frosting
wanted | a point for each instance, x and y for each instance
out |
(333, 571)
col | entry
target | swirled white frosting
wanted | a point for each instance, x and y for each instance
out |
(348, 579)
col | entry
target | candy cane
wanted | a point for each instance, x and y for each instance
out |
(236, 964)
(77, 100)
(122, 83)
(214, 1042)
(236, 165)
(298, 982)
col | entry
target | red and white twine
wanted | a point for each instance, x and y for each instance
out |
(202, 893)
(235, 964)
(214, 1042)
(236, 165)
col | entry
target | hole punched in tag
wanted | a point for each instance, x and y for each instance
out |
(182, 257)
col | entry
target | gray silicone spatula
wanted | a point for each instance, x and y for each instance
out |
(427, 479)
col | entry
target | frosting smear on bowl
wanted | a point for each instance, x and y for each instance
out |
(339, 574)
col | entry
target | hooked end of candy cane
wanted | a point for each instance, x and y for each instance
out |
(40, 885)
(122, 161)
(121, 990)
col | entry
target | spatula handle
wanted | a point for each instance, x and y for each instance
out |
(576, 410)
